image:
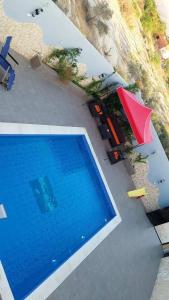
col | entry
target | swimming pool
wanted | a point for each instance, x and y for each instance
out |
(56, 201)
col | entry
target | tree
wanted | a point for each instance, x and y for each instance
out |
(102, 10)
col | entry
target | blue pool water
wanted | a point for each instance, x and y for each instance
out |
(55, 201)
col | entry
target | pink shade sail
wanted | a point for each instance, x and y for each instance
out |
(138, 115)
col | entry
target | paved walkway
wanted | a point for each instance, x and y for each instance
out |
(125, 265)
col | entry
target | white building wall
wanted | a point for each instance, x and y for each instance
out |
(161, 288)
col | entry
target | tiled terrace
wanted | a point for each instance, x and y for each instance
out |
(125, 265)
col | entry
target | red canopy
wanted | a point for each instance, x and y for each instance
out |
(138, 115)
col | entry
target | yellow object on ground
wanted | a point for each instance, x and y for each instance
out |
(137, 193)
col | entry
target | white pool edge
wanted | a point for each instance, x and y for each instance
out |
(53, 281)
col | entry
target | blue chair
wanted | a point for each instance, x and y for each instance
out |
(11, 78)
(6, 47)
(9, 75)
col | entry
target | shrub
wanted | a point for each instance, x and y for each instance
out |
(150, 19)
(68, 54)
(147, 90)
(100, 10)
(130, 9)
(66, 72)
(133, 87)
(155, 58)
(93, 88)
(140, 158)
(102, 28)
(66, 63)
(152, 102)
(135, 70)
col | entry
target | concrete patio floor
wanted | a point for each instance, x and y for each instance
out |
(125, 265)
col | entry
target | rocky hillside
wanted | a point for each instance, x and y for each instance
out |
(126, 46)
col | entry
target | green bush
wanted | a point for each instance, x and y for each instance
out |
(68, 54)
(150, 19)
(133, 87)
(66, 64)
(140, 158)
(65, 71)
(93, 88)
(155, 58)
